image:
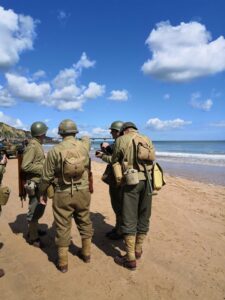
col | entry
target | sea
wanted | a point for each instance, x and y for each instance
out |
(202, 161)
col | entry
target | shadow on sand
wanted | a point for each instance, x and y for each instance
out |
(107, 246)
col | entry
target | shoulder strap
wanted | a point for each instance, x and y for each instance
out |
(130, 163)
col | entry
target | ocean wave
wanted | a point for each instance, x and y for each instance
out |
(197, 158)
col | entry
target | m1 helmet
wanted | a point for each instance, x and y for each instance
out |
(116, 125)
(66, 127)
(128, 125)
(38, 129)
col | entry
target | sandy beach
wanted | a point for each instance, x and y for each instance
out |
(183, 253)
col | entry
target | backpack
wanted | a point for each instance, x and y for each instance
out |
(144, 149)
(73, 163)
(157, 177)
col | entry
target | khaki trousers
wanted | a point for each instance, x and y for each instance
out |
(65, 207)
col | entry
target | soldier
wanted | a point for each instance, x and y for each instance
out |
(32, 165)
(3, 162)
(137, 199)
(114, 190)
(2, 272)
(67, 168)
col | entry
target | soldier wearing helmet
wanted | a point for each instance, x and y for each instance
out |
(32, 165)
(136, 190)
(66, 168)
(114, 190)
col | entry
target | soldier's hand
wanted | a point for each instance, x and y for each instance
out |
(104, 145)
(43, 200)
(99, 154)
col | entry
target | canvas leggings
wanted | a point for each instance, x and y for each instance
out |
(65, 207)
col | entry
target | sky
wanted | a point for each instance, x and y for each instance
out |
(159, 64)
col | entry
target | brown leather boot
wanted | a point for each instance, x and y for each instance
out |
(62, 259)
(63, 269)
(122, 261)
(85, 252)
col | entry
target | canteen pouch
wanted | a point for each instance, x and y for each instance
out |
(30, 187)
(4, 195)
(117, 170)
(157, 177)
(131, 177)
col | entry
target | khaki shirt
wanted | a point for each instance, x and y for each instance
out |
(33, 160)
(124, 152)
(52, 169)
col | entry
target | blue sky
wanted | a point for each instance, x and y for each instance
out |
(160, 64)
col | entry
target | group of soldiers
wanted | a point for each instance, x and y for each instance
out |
(64, 175)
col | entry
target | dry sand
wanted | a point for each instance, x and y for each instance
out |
(184, 253)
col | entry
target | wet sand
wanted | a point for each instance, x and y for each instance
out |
(183, 253)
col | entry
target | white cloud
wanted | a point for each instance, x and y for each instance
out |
(38, 74)
(218, 124)
(202, 105)
(101, 132)
(62, 15)
(184, 52)
(11, 121)
(69, 105)
(6, 100)
(94, 90)
(158, 124)
(67, 93)
(17, 33)
(62, 92)
(20, 87)
(53, 132)
(65, 77)
(84, 62)
(84, 133)
(118, 95)
(166, 96)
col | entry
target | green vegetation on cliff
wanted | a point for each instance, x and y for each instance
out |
(9, 132)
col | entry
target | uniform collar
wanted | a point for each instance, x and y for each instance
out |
(69, 138)
(36, 140)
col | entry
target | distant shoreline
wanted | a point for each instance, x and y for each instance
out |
(194, 171)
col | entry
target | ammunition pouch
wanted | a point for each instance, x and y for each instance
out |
(4, 195)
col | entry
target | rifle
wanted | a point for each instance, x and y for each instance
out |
(21, 179)
(90, 178)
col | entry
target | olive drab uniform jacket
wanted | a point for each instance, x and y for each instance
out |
(3, 162)
(124, 153)
(33, 160)
(52, 170)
